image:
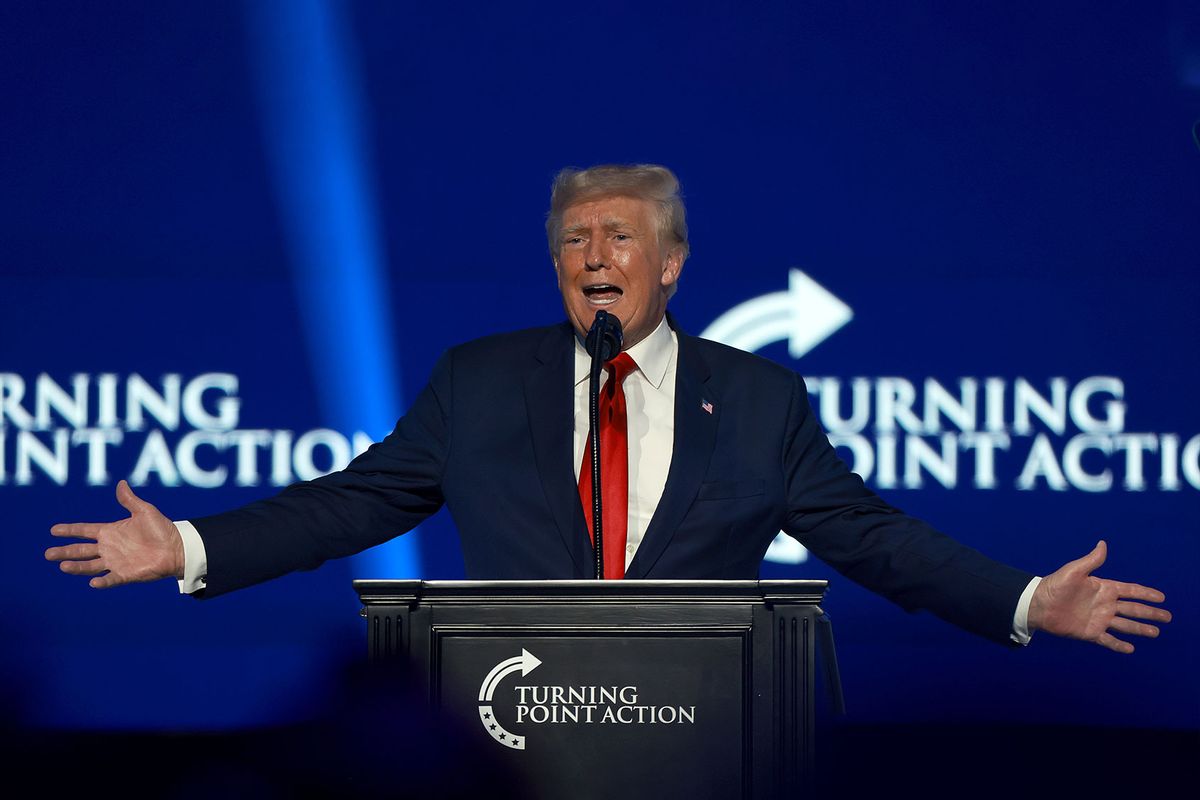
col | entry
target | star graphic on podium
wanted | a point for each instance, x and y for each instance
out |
(524, 664)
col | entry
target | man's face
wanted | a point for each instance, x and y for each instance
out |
(610, 259)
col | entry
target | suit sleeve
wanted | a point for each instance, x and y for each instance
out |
(383, 493)
(904, 559)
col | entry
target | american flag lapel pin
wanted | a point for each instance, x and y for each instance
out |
(707, 406)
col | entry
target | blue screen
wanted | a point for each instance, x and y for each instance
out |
(236, 237)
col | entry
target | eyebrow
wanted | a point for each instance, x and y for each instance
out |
(609, 224)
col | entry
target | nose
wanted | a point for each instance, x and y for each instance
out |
(594, 258)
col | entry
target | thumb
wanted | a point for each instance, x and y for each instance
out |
(1093, 560)
(128, 499)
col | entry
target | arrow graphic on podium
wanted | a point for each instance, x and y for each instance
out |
(525, 663)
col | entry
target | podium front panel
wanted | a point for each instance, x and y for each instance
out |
(621, 689)
(643, 698)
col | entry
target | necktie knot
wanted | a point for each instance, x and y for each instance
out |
(620, 368)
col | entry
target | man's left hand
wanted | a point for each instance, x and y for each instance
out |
(1073, 603)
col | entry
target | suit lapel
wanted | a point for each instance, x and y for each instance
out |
(548, 400)
(695, 437)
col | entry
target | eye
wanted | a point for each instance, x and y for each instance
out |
(622, 237)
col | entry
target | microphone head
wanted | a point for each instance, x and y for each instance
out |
(606, 335)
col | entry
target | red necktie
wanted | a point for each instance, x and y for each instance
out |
(614, 468)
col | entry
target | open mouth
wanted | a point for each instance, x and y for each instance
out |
(602, 294)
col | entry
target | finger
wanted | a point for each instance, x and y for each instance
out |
(128, 499)
(105, 582)
(1122, 625)
(1135, 591)
(73, 552)
(77, 530)
(93, 567)
(1114, 644)
(1139, 611)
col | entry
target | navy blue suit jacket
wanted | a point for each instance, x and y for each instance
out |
(491, 436)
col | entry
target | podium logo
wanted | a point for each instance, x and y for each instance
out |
(567, 705)
(525, 664)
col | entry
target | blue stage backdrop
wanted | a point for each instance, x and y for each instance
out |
(237, 236)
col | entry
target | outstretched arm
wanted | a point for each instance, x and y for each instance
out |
(144, 547)
(1073, 603)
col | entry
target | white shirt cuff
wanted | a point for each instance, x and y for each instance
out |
(195, 560)
(1021, 634)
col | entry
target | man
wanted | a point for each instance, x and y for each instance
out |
(720, 451)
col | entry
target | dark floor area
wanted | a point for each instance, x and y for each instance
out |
(1007, 761)
(405, 757)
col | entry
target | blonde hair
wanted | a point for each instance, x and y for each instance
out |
(650, 182)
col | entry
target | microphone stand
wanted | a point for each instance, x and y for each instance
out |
(603, 343)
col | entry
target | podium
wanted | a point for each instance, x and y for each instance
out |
(617, 689)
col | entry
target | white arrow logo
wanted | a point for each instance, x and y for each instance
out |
(805, 315)
(525, 664)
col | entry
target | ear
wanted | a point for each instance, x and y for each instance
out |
(672, 266)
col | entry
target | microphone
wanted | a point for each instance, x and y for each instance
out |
(606, 335)
(603, 344)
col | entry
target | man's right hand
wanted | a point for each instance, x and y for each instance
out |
(144, 547)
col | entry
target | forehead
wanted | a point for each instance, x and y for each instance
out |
(608, 210)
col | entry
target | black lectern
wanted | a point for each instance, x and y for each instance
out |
(617, 689)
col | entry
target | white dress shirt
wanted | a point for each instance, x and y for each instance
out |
(650, 397)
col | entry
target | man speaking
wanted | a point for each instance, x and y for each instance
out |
(709, 452)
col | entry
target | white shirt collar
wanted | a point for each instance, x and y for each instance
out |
(652, 355)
